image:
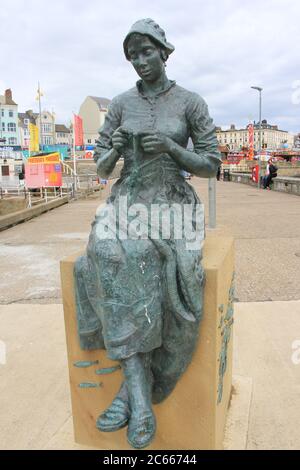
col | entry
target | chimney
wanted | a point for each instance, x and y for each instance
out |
(8, 96)
(232, 127)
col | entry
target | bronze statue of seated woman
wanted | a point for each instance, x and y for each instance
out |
(139, 293)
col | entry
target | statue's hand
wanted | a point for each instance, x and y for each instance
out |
(155, 142)
(120, 139)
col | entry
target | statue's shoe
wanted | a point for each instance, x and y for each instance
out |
(115, 417)
(141, 431)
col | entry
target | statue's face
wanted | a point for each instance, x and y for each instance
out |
(145, 57)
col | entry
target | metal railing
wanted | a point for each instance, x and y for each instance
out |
(40, 196)
(48, 195)
(86, 184)
(20, 191)
(67, 169)
(91, 183)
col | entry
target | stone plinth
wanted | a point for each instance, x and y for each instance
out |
(194, 415)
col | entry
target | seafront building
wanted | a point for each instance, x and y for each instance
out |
(93, 111)
(272, 137)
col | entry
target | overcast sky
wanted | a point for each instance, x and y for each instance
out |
(74, 48)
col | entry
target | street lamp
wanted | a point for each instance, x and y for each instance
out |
(259, 89)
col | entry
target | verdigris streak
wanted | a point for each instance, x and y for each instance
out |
(226, 322)
(107, 370)
(140, 296)
(90, 385)
(84, 364)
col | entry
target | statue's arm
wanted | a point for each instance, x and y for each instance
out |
(205, 158)
(105, 155)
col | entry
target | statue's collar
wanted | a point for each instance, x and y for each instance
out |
(167, 88)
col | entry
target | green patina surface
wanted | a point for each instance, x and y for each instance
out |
(107, 370)
(141, 297)
(90, 385)
(225, 326)
(84, 364)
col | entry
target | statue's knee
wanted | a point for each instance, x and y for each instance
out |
(108, 250)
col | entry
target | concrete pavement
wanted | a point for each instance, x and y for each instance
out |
(34, 391)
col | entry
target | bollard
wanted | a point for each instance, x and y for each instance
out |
(212, 202)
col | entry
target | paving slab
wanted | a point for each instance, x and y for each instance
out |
(264, 339)
(237, 423)
(34, 385)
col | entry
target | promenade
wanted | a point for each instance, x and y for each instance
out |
(34, 392)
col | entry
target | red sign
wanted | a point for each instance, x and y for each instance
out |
(89, 154)
(78, 131)
(255, 172)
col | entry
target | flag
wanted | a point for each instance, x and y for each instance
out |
(251, 141)
(78, 131)
(39, 93)
(34, 138)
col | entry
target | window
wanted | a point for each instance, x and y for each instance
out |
(11, 127)
(47, 127)
(10, 113)
(26, 122)
(2, 112)
(47, 140)
(12, 141)
(89, 141)
(3, 126)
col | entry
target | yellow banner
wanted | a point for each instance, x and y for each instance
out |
(51, 158)
(34, 138)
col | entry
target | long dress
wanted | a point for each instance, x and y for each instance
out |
(144, 294)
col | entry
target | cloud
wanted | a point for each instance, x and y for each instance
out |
(74, 49)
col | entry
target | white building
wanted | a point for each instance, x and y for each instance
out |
(93, 111)
(272, 137)
(46, 122)
(46, 126)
